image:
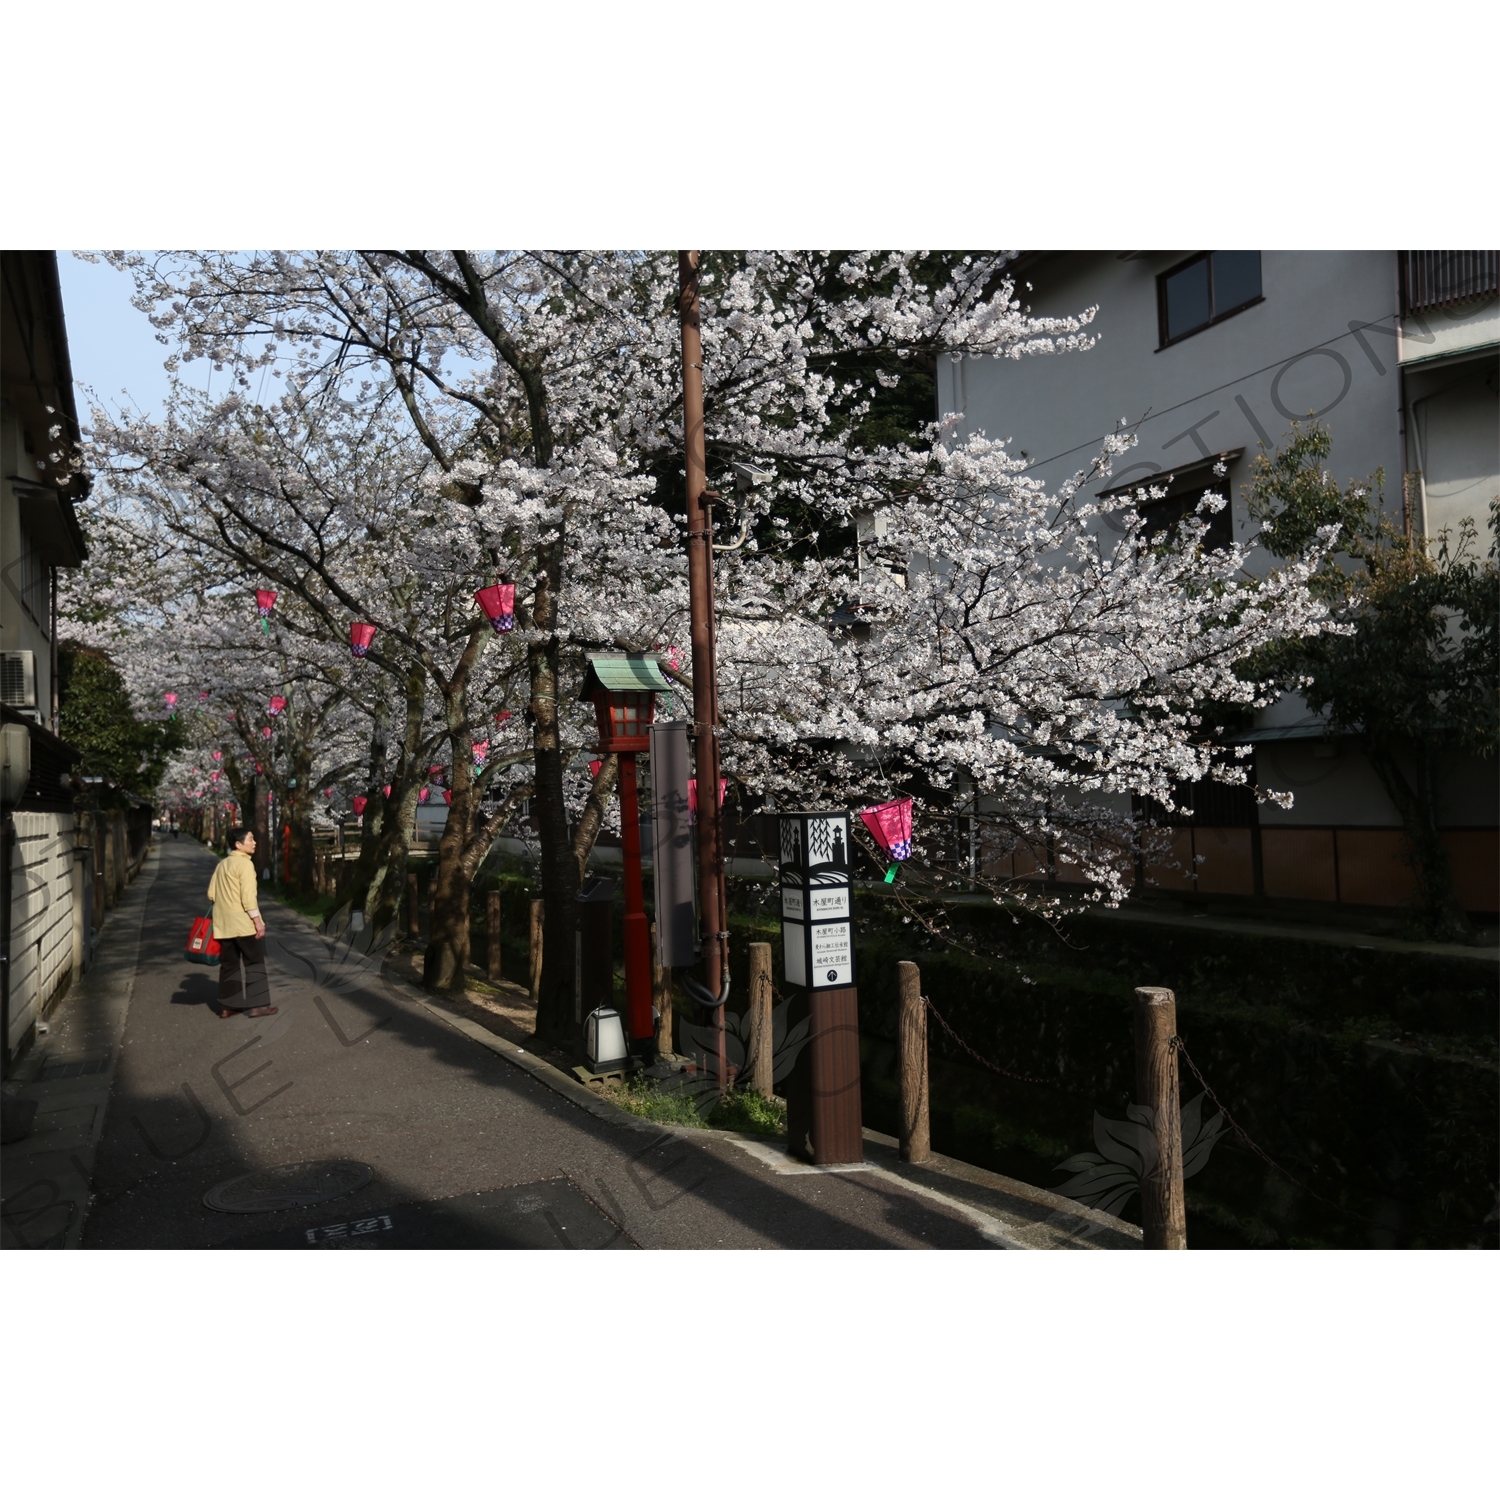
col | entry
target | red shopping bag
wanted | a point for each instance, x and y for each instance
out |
(202, 945)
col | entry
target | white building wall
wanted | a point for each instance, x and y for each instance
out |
(43, 928)
(1323, 340)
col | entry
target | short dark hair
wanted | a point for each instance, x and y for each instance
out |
(238, 835)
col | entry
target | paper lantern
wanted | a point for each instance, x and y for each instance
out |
(265, 732)
(890, 827)
(170, 699)
(257, 768)
(328, 791)
(423, 794)
(448, 798)
(435, 773)
(203, 696)
(502, 715)
(265, 602)
(276, 705)
(360, 636)
(218, 755)
(693, 794)
(386, 791)
(213, 775)
(481, 752)
(360, 804)
(498, 602)
(595, 766)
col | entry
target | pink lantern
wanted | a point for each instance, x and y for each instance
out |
(257, 768)
(693, 795)
(328, 791)
(218, 755)
(170, 700)
(265, 732)
(448, 798)
(423, 794)
(595, 766)
(498, 602)
(502, 716)
(890, 827)
(481, 752)
(276, 705)
(435, 773)
(360, 636)
(203, 696)
(213, 775)
(360, 804)
(265, 602)
(386, 791)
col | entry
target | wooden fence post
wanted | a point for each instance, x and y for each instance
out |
(492, 936)
(537, 908)
(413, 907)
(916, 1128)
(661, 998)
(762, 1060)
(1163, 1208)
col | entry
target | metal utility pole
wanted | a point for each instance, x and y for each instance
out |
(712, 909)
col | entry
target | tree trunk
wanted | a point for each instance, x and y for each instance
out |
(448, 915)
(1443, 915)
(554, 1012)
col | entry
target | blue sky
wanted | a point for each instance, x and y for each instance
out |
(116, 358)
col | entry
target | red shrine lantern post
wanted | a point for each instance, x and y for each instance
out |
(623, 687)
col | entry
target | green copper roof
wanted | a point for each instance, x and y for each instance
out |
(623, 672)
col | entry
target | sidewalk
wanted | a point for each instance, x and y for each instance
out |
(449, 1132)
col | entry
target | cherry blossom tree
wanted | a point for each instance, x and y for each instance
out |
(919, 614)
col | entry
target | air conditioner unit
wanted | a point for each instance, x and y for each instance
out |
(18, 679)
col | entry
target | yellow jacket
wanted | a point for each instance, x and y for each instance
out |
(232, 891)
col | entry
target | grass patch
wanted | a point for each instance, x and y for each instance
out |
(317, 908)
(742, 1110)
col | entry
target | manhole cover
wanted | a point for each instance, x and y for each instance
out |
(296, 1185)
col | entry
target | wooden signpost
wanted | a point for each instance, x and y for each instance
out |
(817, 929)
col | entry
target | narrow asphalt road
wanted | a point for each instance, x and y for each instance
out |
(464, 1148)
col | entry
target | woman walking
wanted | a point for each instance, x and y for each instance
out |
(240, 932)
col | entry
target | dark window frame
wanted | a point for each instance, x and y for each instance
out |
(1215, 316)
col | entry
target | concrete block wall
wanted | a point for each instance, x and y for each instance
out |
(42, 919)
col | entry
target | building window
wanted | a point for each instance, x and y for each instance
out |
(32, 580)
(1210, 287)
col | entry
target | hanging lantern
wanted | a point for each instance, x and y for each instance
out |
(623, 686)
(360, 804)
(890, 827)
(265, 732)
(203, 696)
(498, 602)
(435, 773)
(423, 794)
(360, 636)
(171, 701)
(213, 775)
(218, 755)
(595, 766)
(481, 750)
(693, 795)
(257, 768)
(502, 715)
(386, 791)
(265, 602)
(276, 705)
(448, 798)
(328, 791)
